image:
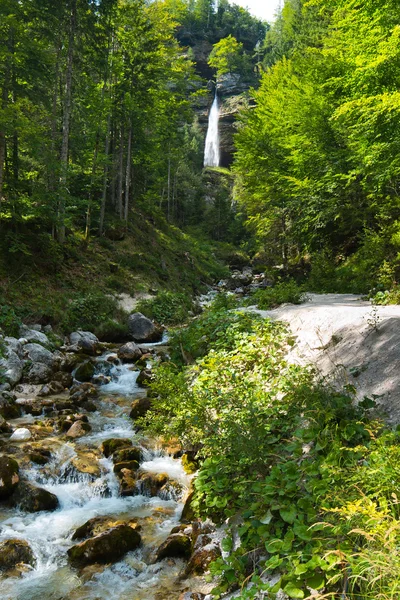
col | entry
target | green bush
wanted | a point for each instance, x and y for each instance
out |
(281, 293)
(111, 330)
(89, 311)
(167, 308)
(9, 321)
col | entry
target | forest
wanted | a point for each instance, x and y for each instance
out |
(272, 481)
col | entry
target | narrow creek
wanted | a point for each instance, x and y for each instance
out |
(84, 495)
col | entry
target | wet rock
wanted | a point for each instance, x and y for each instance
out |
(41, 456)
(33, 336)
(189, 464)
(86, 462)
(108, 447)
(22, 434)
(84, 341)
(101, 379)
(30, 406)
(200, 560)
(129, 352)
(113, 359)
(64, 378)
(33, 499)
(142, 329)
(78, 429)
(8, 407)
(127, 454)
(99, 525)
(128, 482)
(105, 547)
(14, 552)
(191, 596)
(150, 483)
(139, 407)
(12, 367)
(70, 361)
(50, 389)
(9, 477)
(176, 545)
(37, 354)
(80, 393)
(144, 377)
(4, 426)
(130, 465)
(85, 371)
(39, 373)
(89, 406)
(188, 512)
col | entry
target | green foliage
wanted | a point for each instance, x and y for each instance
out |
(168, 308)
(281, 293)
(88, 312)
(227, 57)
(9, 321)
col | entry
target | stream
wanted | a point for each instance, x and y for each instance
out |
(83, 496)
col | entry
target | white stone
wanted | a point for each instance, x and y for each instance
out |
(21, 435)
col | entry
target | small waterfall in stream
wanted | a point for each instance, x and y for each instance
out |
(211, 152)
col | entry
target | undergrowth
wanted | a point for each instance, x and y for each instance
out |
(281, 293)
(307, 480)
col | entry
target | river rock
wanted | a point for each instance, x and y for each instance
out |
(8, 407)
(14, 345)
(130, 465)
(78, 429)
(144, 377)
(30, 406)
(142, 329)
(22, 434)
(127, 454)
(86, 462)
(14, 552)
(201, 558)
(9, 477)
(85, 371)
(39, 373)
(105, 547)
(188, 512)
(99, 525)
(176, 545)
(128, 480)
(12, 367)
(109, 446)
(79, 394)
(37, 354)
(33, 499)
(4, 426)
(40, 456)
(33, 336)
(50, 389)
(139, 407)
(64, 378)
(151, 483)
(129, 352)
(191, 596)
(84, 341)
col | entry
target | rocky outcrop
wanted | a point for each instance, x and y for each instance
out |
(142, 329)
(33, 336)
(37, 354)
(9, 477)
(105, 547)
(13, 552)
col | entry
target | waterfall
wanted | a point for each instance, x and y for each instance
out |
(211, 153)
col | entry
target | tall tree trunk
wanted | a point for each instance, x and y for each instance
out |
(3, 153)
(128, 173)
(66, 124)
(90, 198)
(120, 173)
(169, 189)
(105, 178)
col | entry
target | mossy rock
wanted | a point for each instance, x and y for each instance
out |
(98, 525)
(140, 407)
(176, 545)
(85, 371)
(9, 477)
(108, 447)
(127, 454)
(188, 512)
(200, 560)
(151, 483)
(189, 464)
(14, 552)
(33, 499)
(131, 465)
(107, 547)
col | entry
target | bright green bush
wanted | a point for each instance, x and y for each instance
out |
(9, 320)
(281, 293)
(168, 308)
(88, 311)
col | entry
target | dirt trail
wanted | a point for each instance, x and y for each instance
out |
(348, 341)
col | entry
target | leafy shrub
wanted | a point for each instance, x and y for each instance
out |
(112, 331)
(9, 321)
(281, 293)
(167, 307)
(88, 312)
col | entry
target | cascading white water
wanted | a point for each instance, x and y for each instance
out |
(211, 152)
(81, 498)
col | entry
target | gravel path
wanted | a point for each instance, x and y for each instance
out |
(349, 341)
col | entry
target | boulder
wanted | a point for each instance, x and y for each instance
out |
(14, 552)
(189, 464)
(188, 512)
(144, 377)
(129, 352)
(33, 336)
(22, 434)
(176, 545)
(84, 341)
(142, 329)
(106, 547)
(13, 345)
(109, 446)
(12, 367)
(4, 426)
(99, 525)
(40, 456)
(151, 483)
(9, 477)
(51, 389)
(139, 407)
(39, 373)
(201, 558)
(37, 354)
(127, 454)
(128, 480)
(85, 371)
(64, 378)
(8, 407)
(78, 429)
(33, 499)
(30, 406)
(130, 465)
(81, 393)
(86, 462)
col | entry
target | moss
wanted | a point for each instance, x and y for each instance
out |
(108, 447)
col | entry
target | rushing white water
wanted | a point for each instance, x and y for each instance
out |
(82, 497)
(211, 152)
